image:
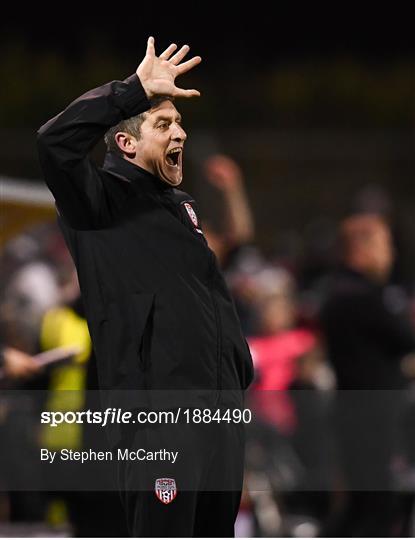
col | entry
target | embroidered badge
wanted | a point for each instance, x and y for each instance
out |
(166, 490)
(192, 213)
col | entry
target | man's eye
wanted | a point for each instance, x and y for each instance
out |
(164, 125)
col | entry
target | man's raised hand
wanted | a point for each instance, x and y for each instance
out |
(158, 73)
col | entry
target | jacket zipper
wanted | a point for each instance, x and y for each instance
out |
(177, 213)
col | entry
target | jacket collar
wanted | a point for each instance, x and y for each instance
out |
(142, 180)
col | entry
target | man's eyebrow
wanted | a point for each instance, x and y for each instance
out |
(178, 118)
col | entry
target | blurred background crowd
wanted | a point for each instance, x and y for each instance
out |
(302, 165)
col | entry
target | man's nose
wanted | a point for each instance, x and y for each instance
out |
(179, 134)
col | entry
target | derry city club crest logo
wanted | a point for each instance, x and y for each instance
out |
(166, 490)
(192, 213)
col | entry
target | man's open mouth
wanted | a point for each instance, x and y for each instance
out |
(173, 157)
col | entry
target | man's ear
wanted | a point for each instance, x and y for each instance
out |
(126, 142)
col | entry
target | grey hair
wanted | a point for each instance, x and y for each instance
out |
(131, 125)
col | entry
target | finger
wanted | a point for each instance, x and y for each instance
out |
(186, 66)
(178, 57)
(181, 92)
(151, 51)
(165, 55)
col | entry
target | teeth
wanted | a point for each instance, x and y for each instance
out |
(174, 162)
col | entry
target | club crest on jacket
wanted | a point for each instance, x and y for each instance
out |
(166, 490)
(192, 213)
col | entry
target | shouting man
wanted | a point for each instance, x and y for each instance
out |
(161, 319)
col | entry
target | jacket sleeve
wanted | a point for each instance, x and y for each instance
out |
(65, 141)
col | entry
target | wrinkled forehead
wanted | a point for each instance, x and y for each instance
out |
(165, 109)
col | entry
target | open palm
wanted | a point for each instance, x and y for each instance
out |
(158, 73)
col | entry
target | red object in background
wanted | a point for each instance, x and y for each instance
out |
(275, 360)
(275, 357)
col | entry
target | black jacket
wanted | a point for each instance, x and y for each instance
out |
(367, 334)
(159, 313)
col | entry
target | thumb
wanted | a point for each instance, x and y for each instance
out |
(180, 92)
(150, 47)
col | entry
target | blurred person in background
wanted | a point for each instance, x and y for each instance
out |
(231, 235)
(366, 324)
(73, 386)
(368, 332)
(31, 268)
(291, 416)
(237, 225)
(18, 446)
(56, 320)
(279, 341)
(28, 288)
